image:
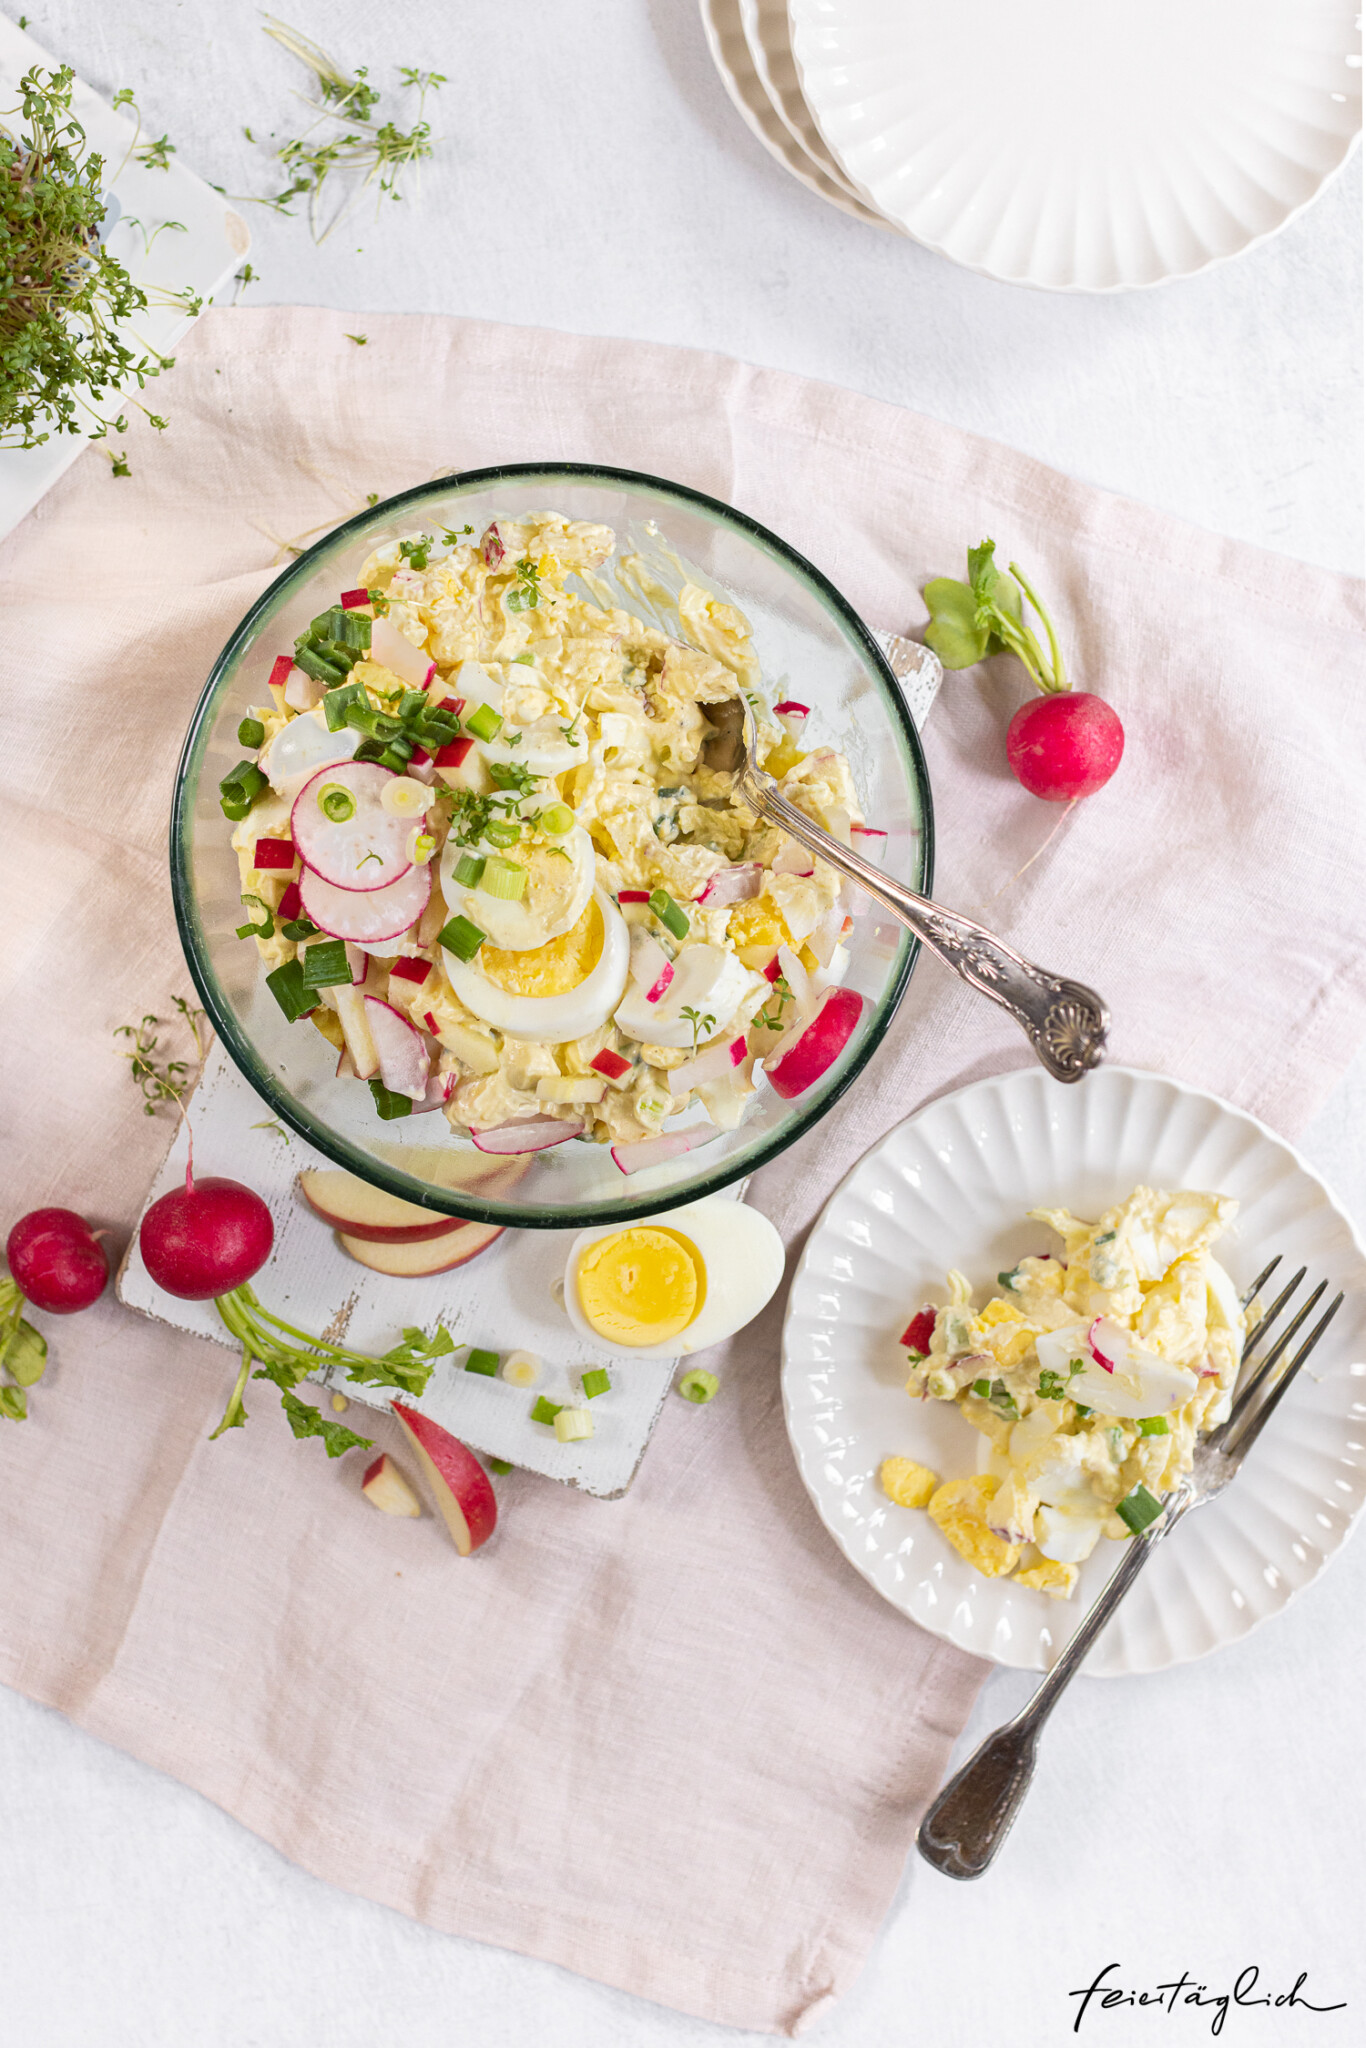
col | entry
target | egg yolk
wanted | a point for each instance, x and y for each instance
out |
(549, 970)
(642, 1286)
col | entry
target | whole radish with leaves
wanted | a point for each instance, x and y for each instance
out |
(1061, 745)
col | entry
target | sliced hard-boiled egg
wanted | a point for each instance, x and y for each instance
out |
(674, 1284)
(1065, 1536)
(708, 981)
(301, 748)
(547, 994)
(558, 887)
(545, 745)
(1225, 1305)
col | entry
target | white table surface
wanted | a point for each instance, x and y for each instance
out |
(592, 175)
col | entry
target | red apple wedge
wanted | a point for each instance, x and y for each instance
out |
(352, 1205)
(459, 1484)
(385, 1487)
(429, 1255)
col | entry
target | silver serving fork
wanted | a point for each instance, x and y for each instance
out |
(973, 1814)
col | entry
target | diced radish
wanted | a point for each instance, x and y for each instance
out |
(870, 841)
(918, 1332)
(792, 858)
(291, 904)
(454, 751)
(655, 991)
(651, 967)
(273, 853)
(633, 896)
(790, 708)
(422, 767)
(279, 671)
(431, 1023)
(654, 1151)
(738, 884)
(303, 692)
(491, 546)
(352, 600)
(527, 1134)
(365, 851)
(409, 969)
(712, 1065)
(774, 969)
(396, 652)
(610, 1063)
(404, 1062)
(803, 1057)
(369, 917)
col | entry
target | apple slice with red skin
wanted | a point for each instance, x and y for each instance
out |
(812, 1048)
(385, 1487)
(429, 1255)
(459, 1484)
(353, 1206)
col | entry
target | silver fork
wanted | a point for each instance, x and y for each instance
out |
(973, 1814)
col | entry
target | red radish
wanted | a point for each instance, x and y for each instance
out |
(526, 1134)
(368, 917)
(790, 708)
(395, 651)
(206, 1238)
(712, 1065)
(280, 671)
(870, 841)
(651, 968)
(1065, 745)
(669, 1145)
(633, 896)
(774, 970)
(918, 1332)
(430, 1021)
(57, 1261)
(491, 546)
(272, 853)
(404, 1063)
(358, 960)
(409, 969)
(291, 904)
(655, 992)
(792, 858)
(352, 600)
(459, 1483)
(440, 1089)
(367, 848)
(740, 884)
(1108, 1364)
(610, 1063)
(802, 1059)
(452, 755)
(302, 691)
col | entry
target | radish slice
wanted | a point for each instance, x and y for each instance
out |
(404, 1063)
(651, 967)
(712, 1065)
(805, 1055)
(364, 852)
(654, 1151)
(367, 916)
(870, 841)
(358, 960)
(790, 708)
(303, 692)
(733, 885)
(491, 546)
(439, 1091)
(394, 651)
(792, 858)
(528, 1134)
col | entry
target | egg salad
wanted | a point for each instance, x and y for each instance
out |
(491, 847)
(1088, 1376)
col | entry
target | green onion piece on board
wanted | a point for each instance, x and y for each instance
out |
(250, 733)
(388, 1104)
(326, 965)
(1154, 1425)
(461, 938)
(468, 869)
(502, 832)
(668, 912)
(557, 819)
(505, 879)
(572, 1425)
(500, 1465)
(336, 803)
(1138, 1509)
(485, 1362)
(286, 984)
(485, 723)
(545, 1411)
(698, 1386)
(595, 1383)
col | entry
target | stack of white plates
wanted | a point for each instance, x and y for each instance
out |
(1073, 144)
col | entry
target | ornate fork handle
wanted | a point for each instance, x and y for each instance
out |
(1065, 1022)
(975, 1811)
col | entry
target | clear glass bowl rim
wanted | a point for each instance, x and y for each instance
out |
(461, 1204)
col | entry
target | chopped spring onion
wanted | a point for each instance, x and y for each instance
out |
(468, 869)
(258, 931)
(251, 733)
(338, 702)
(240, 788)
(336, 803)
(298, 928)
(485, 1362)
(556, 819)
(502, 832)
(669, 913)
(521, 1368)
(1138, 1509)
(286, 984)
(595, 1383)
(1009, 1280)
(997, 1393)
(545, 1411)
(504, 879)
(461, 938)
(388, 1104)
(485, 723)
(500, 1465)
(326, 965)
(572, 1425)
(698, 1386)
(1154, 1425)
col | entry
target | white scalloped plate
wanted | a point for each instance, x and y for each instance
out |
(950, 1187)
(1081, 146)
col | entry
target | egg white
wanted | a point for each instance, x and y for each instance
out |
(742, 1256)
(517, 927)
(301, 748)
(549, 1020)
(706, 978)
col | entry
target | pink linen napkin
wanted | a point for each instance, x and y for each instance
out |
(672, 1742)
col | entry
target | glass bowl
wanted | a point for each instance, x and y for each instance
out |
(810, 643)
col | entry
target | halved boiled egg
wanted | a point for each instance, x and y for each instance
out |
(674, 1284)
(708, 981)
(546, 994)
(301, 748)
(558, 888)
